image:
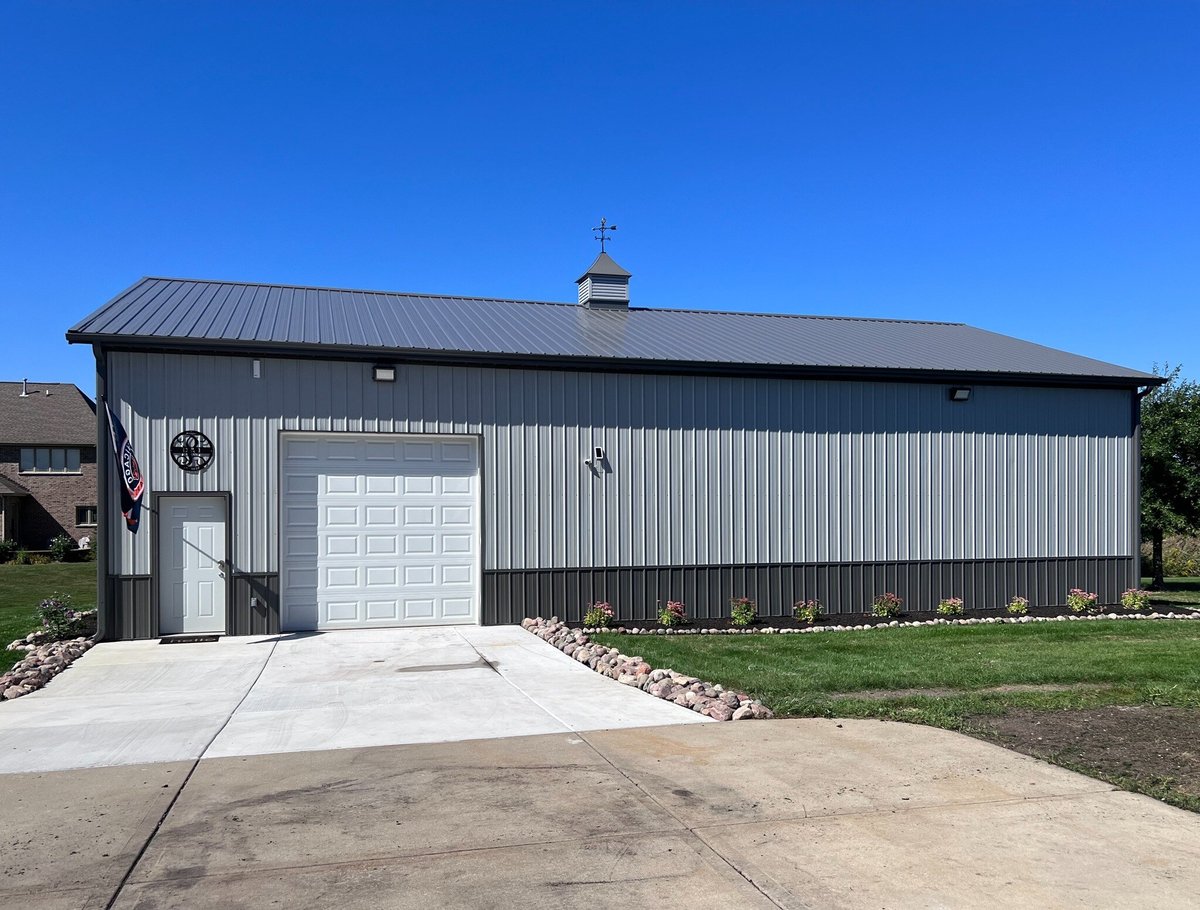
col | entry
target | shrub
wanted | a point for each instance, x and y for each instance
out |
(1080, 600)
(1135, 599)
(60, 546)
(60, 619)
(807, 610)
(950, 606)
(598, 615)
(8, 549)
(742, 611)
(1018, 606)
(1181, 556)
(23, 558)
(673, 614)
(887, 604)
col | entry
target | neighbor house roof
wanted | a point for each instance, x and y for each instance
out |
(11, 487)
(53, 413)
(172, 313)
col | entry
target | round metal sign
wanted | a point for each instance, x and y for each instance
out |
(192, 451)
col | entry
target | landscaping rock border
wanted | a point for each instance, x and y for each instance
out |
(40, 665)
(687, 691)
(893, 624)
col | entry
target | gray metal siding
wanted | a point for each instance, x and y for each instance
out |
(700, 470)
(842, 588)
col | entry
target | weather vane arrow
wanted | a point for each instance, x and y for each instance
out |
(603, 228)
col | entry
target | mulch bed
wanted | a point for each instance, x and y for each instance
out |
(867, 619)
(1157, 748)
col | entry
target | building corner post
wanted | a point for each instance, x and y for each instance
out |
(1135, 511)
(103, 626)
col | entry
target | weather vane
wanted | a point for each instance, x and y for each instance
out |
(604, 226)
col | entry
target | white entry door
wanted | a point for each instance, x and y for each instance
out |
(378, 530)
(191, 564)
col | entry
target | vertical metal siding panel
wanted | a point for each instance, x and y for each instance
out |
(706, 470)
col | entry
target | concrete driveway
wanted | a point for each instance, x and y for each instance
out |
(789, 813)
(138, 702)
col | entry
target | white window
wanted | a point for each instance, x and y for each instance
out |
(49, 461)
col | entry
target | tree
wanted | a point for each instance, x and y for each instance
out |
(1170, 462)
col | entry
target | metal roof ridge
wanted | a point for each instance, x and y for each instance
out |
(341, 290)
(561, 303)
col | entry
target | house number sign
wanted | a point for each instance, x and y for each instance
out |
(192, 451)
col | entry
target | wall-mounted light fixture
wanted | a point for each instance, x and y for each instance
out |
(256, 369)
(960, 393)
(385, 374)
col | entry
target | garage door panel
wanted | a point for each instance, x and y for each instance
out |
(341, 517)
(458, 575)
(386, 610)
(380, 516)
(419, 544)
(418, 485)
(379, 451)
(341, 484)
(300, 483)
(303, 546)
(382, 544)
(456, 486)
(457, 607)
(339, 577)
(382, 577)
(457, 544)
(417, 451)
(345, 612)
(379, 532)
(381, 485)
(342, 545)
(419, 516)
(419, 575)
(416, 609)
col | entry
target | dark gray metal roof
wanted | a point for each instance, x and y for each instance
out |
(604, 265)
(223, 315)
(53, 413)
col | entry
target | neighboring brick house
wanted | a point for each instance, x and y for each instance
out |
(47, 463)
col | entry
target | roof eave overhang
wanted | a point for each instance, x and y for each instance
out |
(610, 364)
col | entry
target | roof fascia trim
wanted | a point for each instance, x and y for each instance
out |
(612, 365)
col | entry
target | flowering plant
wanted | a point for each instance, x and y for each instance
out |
(1135, 599)
(742, 611)
(599, 614)
(1080, 600)
(950, 606)
(887, 604)
(1018, 606)
(673, 614)
(807, 610)
(60, 619)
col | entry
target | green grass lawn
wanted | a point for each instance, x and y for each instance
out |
(1134, 661)
(952, 676)
(23, 587)
(1177, 592)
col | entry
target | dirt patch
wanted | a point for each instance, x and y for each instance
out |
(1149, 749)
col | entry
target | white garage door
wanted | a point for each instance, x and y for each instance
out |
(378, 531)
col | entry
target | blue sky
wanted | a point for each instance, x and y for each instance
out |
(1031, 168)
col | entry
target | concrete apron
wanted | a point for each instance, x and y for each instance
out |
(792, 813)
(138, 702)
